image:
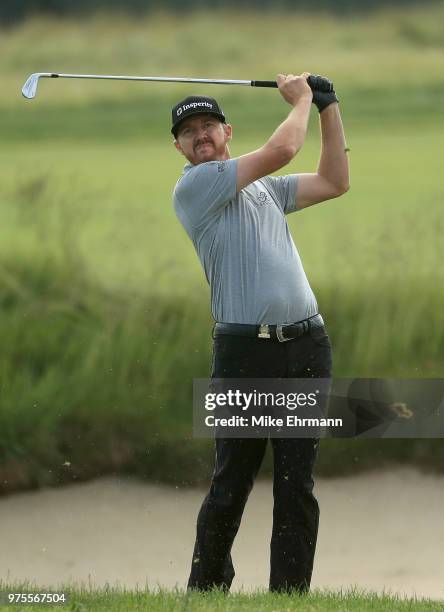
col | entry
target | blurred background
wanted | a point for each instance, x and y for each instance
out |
(105, 316)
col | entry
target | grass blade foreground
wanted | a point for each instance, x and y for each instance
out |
(115, 599)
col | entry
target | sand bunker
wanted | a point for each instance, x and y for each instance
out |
(382, 530)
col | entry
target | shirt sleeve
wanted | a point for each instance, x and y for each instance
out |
(205, 190)
(284, 190)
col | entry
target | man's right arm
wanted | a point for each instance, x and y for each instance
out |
(287, 139)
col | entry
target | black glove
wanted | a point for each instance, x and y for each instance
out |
(319, 82)
(323, 92)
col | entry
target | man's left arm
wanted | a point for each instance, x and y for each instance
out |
(332, 177)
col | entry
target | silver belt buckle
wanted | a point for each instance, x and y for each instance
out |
(319, 321)
(264, 331)
(280, 335)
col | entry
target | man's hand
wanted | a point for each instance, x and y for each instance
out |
(293, 88)
(322, 99)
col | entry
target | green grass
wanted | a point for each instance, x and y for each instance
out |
(95, 269)
(372, 256)
(104, 309)
(114, 598)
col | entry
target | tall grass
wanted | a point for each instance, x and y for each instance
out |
(97, 376)
(104, 310)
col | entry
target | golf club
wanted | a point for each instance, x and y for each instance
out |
(29, 89)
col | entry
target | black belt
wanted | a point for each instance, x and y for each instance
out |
(271, 332)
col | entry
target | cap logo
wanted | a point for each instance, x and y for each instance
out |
(185, 107)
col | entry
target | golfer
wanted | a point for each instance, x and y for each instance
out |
(267, 323)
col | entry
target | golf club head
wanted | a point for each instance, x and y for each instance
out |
(29, 89)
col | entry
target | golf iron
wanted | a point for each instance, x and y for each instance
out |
(29, 89)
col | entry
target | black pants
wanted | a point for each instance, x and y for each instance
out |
(296, 510)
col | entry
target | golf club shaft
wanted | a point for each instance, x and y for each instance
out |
(54, 75)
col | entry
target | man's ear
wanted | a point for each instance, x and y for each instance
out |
(228, 129)
(177, 145)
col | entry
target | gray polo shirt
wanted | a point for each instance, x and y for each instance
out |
(244, 244)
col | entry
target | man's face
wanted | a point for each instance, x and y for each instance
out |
(203, 138)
